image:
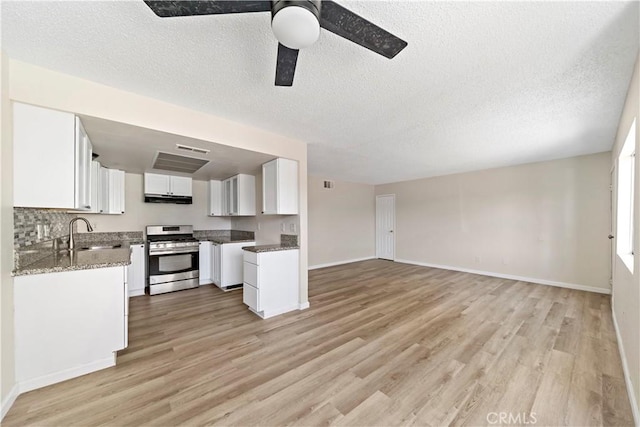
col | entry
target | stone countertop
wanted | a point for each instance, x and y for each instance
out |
(270, 248)
(222, 240)
(78, 260)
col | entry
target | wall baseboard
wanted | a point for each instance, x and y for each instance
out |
(136, 293)
(625, 369)
(56, 377)
(7, 403)
(333, 264)
(303, 305)
(511, 277)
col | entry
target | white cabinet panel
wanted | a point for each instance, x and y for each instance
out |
(157, 184)
(181, 186)
(271, 285)
(51, 159)
(83, 156)
(280, 187)
(112, 191)
(95, 187)
(167, 185)
(137, 271)
(251, 297)
(216, 264)
(215, 198)
(239, 195)
(66, 323)
(250, 274)
(228, 263)
(205, 259)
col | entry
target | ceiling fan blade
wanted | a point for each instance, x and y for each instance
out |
(170, 8)
(347, 24)
(286, 65)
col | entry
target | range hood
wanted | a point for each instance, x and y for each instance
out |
(162, 198)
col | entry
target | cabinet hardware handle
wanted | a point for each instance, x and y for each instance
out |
(610, 236)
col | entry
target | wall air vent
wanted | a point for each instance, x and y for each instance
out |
(176, 163)
(193, 149)
(328, 184)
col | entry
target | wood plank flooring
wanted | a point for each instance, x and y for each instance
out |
(382, 344)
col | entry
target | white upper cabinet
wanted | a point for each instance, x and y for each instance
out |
(111, 192)
(84, 152)
(157, 184)
(168, 185)
(181, 186)
(215, 198)
(280, 187)
(239, 195)
(51, 159)
(96, 190)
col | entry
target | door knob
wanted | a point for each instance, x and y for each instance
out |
(610, 236)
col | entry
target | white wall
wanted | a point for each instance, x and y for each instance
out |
(626, 286)
(7, 347)
(341, 222)
(546, 221)
(139, 214)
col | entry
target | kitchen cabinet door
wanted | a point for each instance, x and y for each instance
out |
(137, 271)
(83, 155)
(116, 191)
(215, 198)
(157, 184)
(112, 191)
(95, 187)
(280, 187)
(245, 195)
(181, 186)
(216, 264)
(205, 259)
(51, 159)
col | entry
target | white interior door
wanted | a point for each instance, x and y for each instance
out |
(385, 226)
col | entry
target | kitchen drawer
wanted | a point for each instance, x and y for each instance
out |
(251, 257)
(251, 297)
(250, 274)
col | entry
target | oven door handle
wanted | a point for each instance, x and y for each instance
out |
(173, 251)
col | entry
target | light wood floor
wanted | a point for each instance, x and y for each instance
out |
(382, 344)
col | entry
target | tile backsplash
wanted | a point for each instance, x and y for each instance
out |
(26, 221)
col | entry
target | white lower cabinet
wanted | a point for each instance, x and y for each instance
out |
(271, 282)
(68, 324)
(137, 271)
(227, 263)
(205, 261)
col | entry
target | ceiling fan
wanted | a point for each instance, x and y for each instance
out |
(296, 25)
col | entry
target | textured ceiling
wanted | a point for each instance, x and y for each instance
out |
(480, 84)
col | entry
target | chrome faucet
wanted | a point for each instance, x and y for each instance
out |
(89, 229)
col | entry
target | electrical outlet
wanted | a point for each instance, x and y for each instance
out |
(283, 227)
(259, 226)
(292, 227)
(477, 259)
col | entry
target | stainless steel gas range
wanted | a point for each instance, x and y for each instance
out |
(172, 258)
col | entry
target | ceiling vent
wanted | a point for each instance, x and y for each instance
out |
(176, 163)
(193, 149)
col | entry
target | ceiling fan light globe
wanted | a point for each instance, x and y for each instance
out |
(295, 27)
